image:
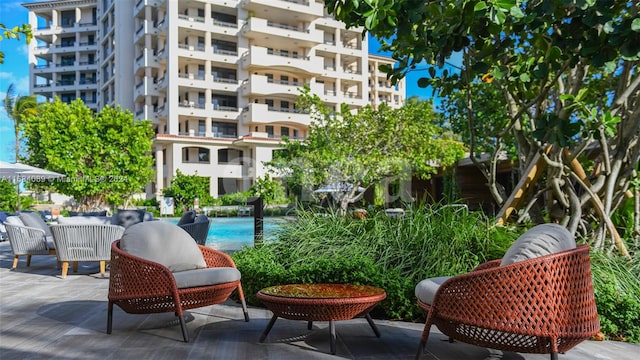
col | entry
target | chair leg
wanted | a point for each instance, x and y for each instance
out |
(425, 336)
(183, 326)
(244, 304)
(103, 268)
(65, 269)
(28, 260)
(15, 262)
(75, 266)
(554, 356)
(109, 317)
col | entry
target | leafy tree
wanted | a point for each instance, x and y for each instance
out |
(185, 189)
(15, 33)
(568, 72)
(8, 195)
(105, 156)
(361, 148)
(17, 107)
(271, 190)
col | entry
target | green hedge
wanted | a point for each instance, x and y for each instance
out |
(395, 254)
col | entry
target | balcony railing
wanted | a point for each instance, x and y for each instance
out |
(191, 18)
(288, 110)
(225, 52)
(224, 24)
(287, 55)
(224, 108)
(286, 27)
(225, 80)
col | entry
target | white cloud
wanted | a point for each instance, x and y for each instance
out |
(21, 84)
(24, 49)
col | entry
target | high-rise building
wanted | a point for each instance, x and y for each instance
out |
(217, 78)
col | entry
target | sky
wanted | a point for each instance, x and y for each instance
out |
(15, 70)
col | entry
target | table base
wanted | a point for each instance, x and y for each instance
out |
(332, 330)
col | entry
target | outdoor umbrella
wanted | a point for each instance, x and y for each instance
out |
(17, 172)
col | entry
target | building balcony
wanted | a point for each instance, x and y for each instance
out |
(145, 87)
(146, 59)
(261, 85)
(223, 27)
(257, 28)
(191, 51)
(192, 22)
(195, 109)
(224, 56)
(223, 84)
(265, 114)
(261, 57)
(192, 80)
(306, 10)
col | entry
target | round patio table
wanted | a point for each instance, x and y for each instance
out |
(321, 302)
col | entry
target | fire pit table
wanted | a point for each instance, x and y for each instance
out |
(321, 302)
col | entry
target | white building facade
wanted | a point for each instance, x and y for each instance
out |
(218, 79)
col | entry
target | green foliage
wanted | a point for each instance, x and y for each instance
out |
(378, 250)
(185, 189)
(617, 288)
(237, 198)
(365, 146)
(15, 33)
(105, 156)
(567, 72)
(8, 194)
(271, 190)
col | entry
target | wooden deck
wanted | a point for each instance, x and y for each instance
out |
(43, 316)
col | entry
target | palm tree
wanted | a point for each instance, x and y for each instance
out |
(17, 107)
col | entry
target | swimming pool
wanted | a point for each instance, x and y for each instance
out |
(232, 233)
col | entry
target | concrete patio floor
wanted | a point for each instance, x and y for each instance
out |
(43, 316)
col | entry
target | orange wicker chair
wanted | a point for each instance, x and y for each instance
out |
(541, 305)
(141, 286)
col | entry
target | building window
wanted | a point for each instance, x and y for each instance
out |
(67, 41)
(203, 155)
(284, 131)
(269, 130)
(201, 128)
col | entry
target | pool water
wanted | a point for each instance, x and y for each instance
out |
(233, 233)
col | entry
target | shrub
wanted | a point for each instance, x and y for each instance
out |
(395, 254)
(379, 251)
(616, 282)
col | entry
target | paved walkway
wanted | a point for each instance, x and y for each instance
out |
(43, 316)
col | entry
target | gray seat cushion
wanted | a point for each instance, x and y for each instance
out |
(14, 220)
(204, 277)
(426, 289)
(164, 243)
(33, 219)
(540, 240)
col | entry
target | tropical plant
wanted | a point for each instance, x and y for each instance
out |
(354, 149)
(568, 72)
(18, 107)
(105, 156)
(15, 33)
